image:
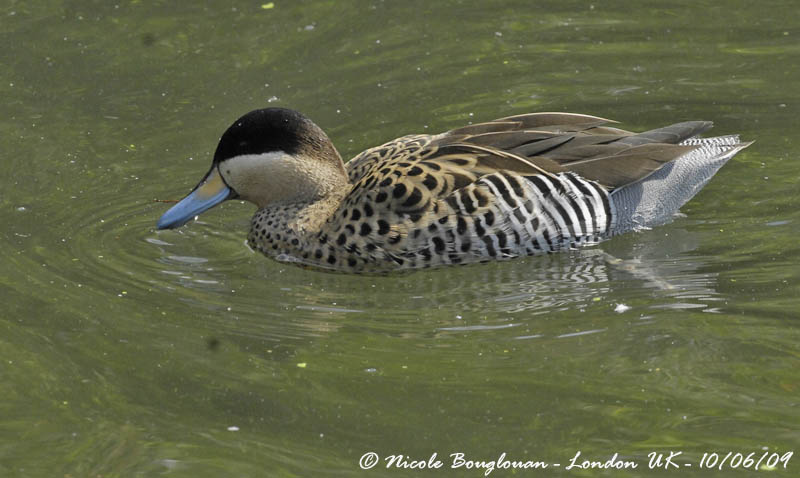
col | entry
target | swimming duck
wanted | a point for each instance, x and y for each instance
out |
(515, 186)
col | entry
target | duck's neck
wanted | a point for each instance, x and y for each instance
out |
(290, 231)
(309, 219)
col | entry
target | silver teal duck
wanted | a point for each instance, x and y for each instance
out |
(520, 185)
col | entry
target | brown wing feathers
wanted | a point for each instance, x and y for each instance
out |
(557, 142)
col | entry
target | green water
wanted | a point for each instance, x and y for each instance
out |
(130, 352)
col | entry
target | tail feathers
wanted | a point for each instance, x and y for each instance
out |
(728, 140)
(656, 198)
(672, 134)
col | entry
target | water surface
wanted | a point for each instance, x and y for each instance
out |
(126, 351)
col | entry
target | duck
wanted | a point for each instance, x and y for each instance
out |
(516, 186)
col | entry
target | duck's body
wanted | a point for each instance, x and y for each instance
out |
(515, 186)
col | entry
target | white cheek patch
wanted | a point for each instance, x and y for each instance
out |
(268, 177)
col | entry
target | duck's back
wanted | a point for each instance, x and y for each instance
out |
(514, 186)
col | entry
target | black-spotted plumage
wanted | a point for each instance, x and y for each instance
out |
(445, 205)
(515, 186)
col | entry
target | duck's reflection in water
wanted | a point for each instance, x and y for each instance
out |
(654, 268)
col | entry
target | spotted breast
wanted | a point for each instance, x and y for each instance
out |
(515, 186)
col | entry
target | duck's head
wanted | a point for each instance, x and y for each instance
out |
(268, 156)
